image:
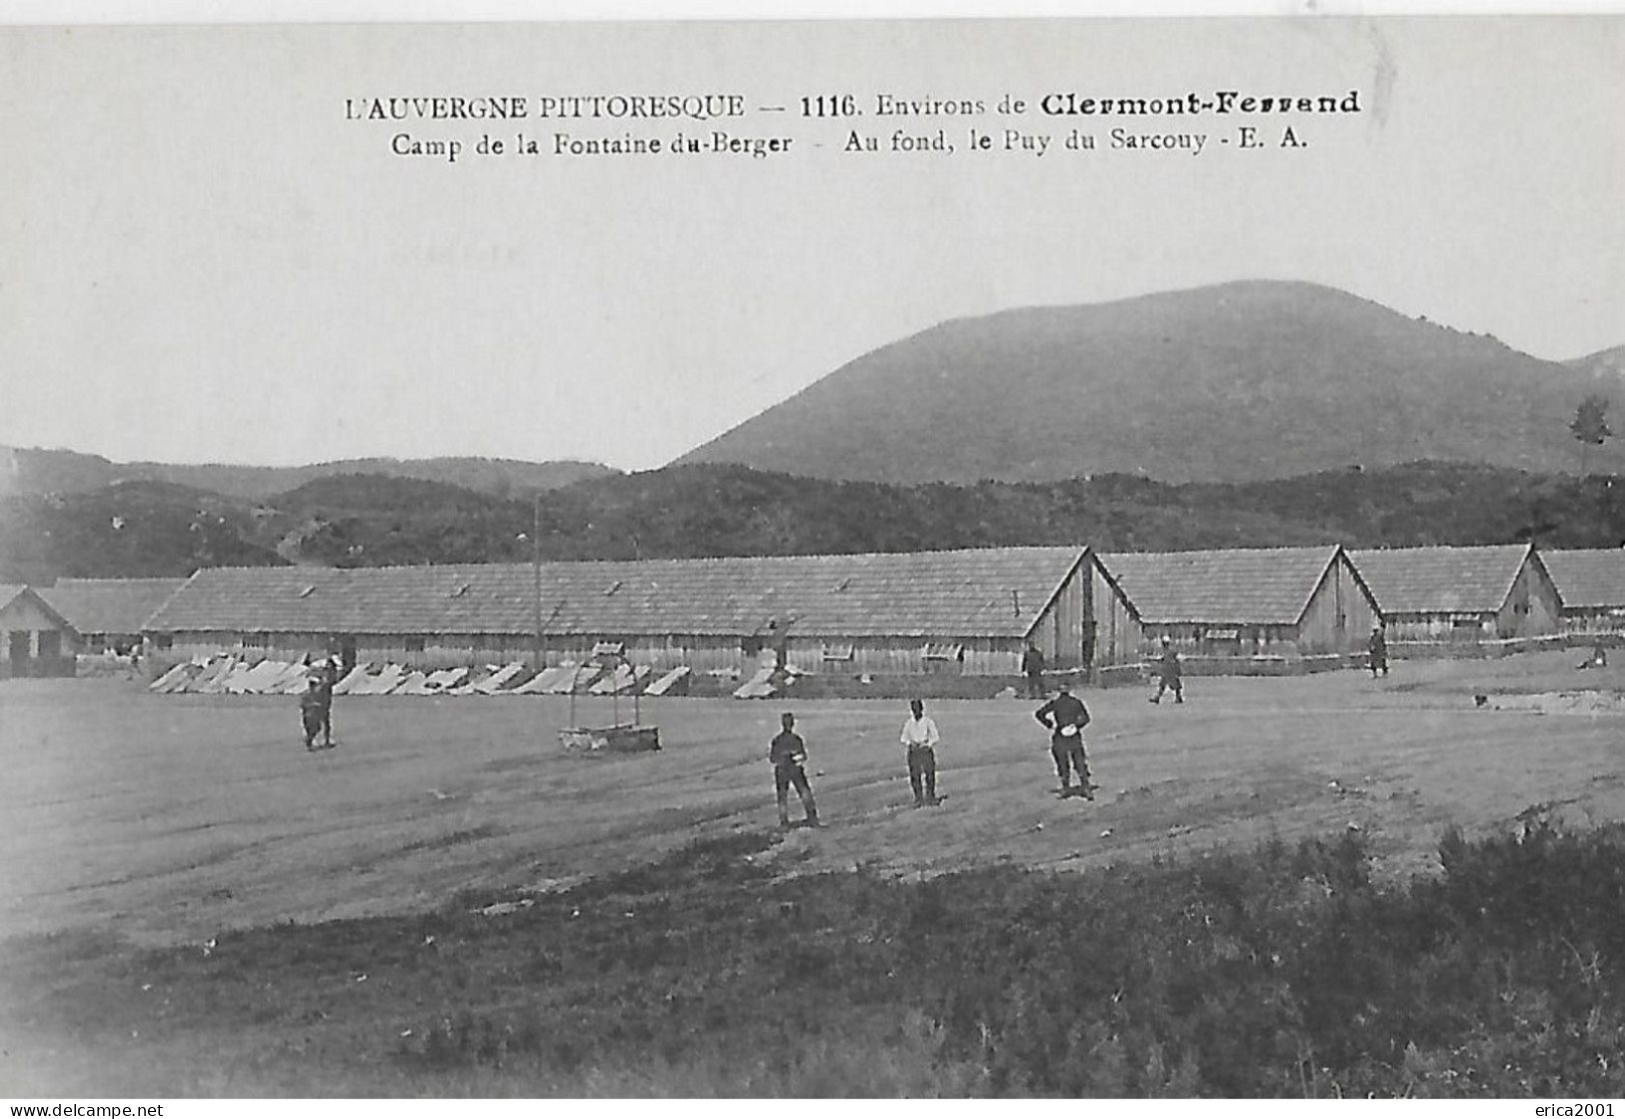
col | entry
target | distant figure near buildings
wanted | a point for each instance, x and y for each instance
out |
(1168, 674)
(316, 702)
(315, 707)
(1597, 659)
(332, 673)
(788, 753)
(1377, 645)
(1064, 717)
(920, 738)
(1032, 666)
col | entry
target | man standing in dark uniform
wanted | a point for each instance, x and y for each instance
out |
(331, 673)
(314, 705)
(1032, 666)
(316, 702)
(788, 753)
(1064, 717)
(1377, 646)
(1168, 674)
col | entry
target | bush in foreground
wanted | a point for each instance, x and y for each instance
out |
(1284, 971)
(1287, 970)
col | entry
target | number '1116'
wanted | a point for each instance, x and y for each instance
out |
(844, 105)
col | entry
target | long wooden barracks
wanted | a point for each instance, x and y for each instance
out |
(969, 612)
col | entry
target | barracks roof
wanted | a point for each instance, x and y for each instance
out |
(11, 592)
(967, 593)
(1437, 580)
(1588, 577)
(109, 605)
(1270, 586)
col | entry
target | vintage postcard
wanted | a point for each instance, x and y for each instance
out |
(629, 558)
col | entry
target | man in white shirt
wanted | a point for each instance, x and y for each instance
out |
(920, 737)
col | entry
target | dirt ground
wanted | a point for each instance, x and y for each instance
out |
(171, 818)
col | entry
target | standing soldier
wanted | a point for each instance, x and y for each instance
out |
(313, 709)
(1377, 645)
(788, 753)
(332, 671)
(920, 738)
(1064, 717)
(1168, 674)
(316, 702)
(1032, 665)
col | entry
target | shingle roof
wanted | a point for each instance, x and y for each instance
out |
(109, 605)
(1441, 580)
(9, 592)
(1588, 577)
(968, 593)
(1265, 586)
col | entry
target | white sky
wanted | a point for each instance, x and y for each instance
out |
(201, 260)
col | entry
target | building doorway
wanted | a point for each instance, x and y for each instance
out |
(21, 660)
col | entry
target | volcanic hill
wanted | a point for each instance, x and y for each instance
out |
(1236, 382)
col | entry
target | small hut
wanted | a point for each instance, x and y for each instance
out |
(35, 640)
(1242, 610)
(1591, 584)
(1461, 600)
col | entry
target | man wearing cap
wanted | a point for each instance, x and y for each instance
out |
(1064, 717)
(314, 705)
(1377, 646)
(1168, 674)
(788, 753)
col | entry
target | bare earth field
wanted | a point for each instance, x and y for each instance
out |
(168, 819)
(140, 831)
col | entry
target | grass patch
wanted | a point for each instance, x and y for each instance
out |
(440, 842)
(1284, 970)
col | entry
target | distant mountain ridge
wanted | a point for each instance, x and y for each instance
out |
(39, 471)
(1237, 382)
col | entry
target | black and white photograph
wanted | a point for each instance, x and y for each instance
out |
(1068, 557)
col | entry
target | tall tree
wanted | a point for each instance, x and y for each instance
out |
(1590, 424)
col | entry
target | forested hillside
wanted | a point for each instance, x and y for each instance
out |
(146, 528)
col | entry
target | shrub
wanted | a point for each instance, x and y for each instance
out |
(1287, 970)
